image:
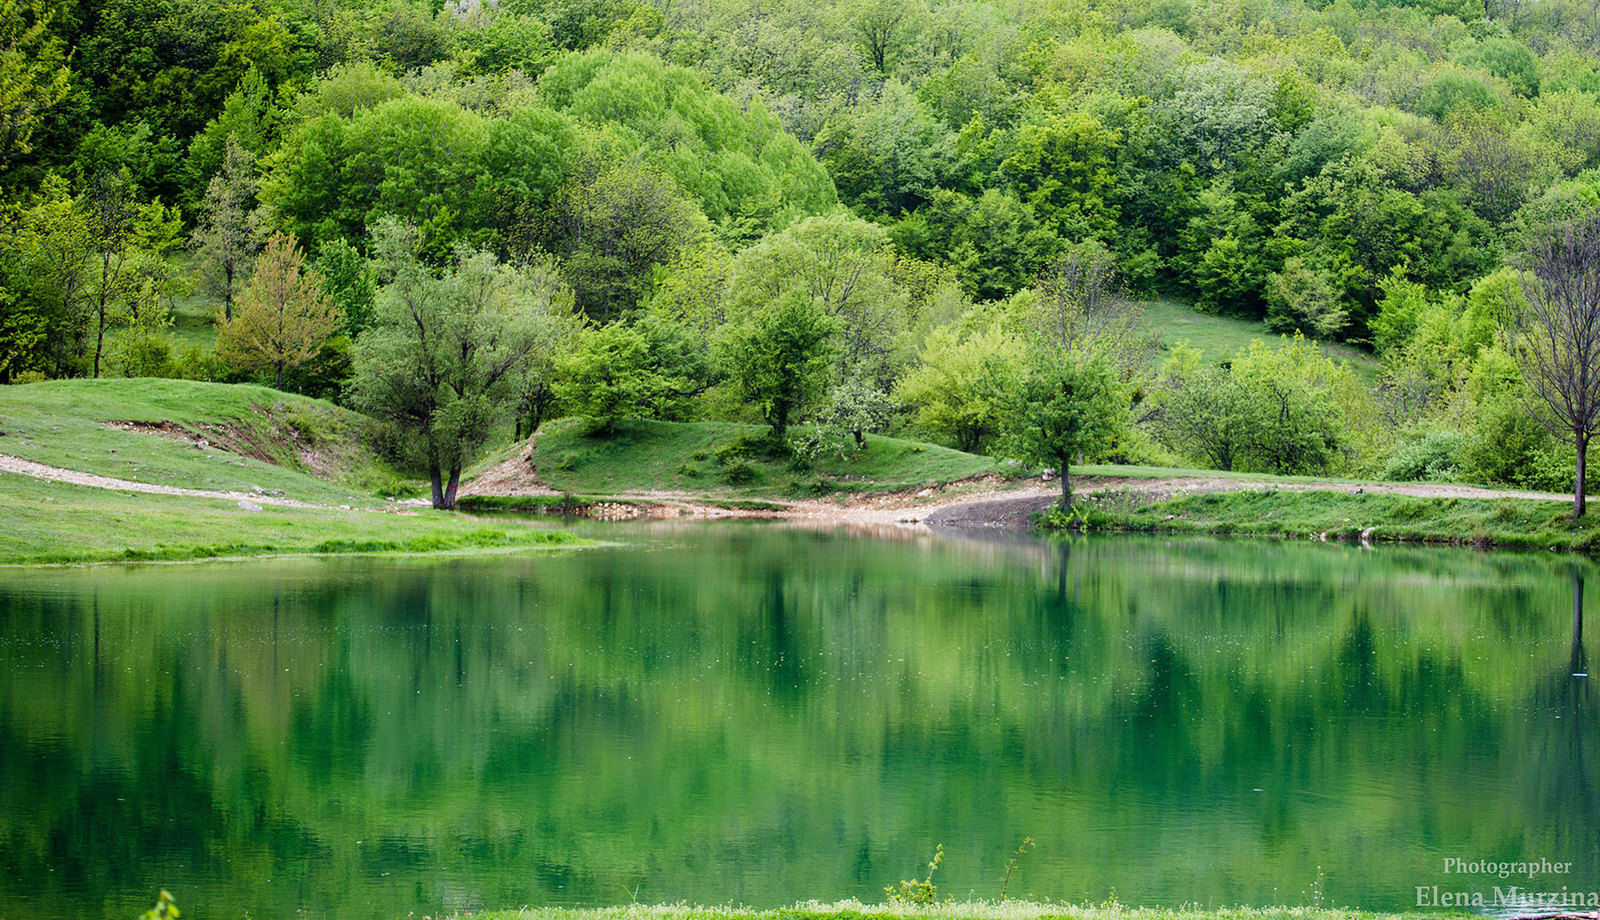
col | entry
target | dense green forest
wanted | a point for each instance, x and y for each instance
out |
(835, 218)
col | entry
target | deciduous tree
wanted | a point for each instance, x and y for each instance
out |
(1556, 336)
(445, 357)
(284, 317)
(227, 237)
(1065, 407)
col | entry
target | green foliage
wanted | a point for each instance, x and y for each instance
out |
(646, 370)
(349, 281)
(745, 172)
(613, 225)
(1066, 407)
(33, 75)
(780, 359)
(961, 384)
(920, 893)
(841, 267)
(166, 909)
(1302, 300)
(858, 407)
(445, 357)
(1437, 455)
(1285, 410)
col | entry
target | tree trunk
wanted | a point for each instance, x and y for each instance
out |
(99, 342)
(280, 375)
(1066, 484)
(451, 486)
(437, 481)
(1579, 500)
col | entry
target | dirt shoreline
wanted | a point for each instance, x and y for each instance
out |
(984, 501)
(981, 501)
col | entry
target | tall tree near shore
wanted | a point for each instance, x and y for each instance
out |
(1556, 336)
(1065, 407)
(226, 239)
(446, 358)
(284, 315)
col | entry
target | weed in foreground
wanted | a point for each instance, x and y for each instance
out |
(912, 891)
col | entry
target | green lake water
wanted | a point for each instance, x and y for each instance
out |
(760, 714)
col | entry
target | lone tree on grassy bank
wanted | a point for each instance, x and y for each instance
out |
(282, 319)
(1556, 336)
(1065, 407)
(778, 359)
(446, 358)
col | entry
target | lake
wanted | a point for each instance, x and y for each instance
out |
(759, 714)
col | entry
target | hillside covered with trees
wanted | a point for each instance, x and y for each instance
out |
(922, 217)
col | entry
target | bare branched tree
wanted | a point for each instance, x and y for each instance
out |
(1556, 336)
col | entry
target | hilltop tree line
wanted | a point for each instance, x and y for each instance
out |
(924, 217)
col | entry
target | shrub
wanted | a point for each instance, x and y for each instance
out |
(1436, 455)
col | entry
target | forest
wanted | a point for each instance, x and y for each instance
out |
(935, 219)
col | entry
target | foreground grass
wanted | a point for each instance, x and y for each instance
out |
(726, 459)
(966, 910)
(1511, 523)
(49, 522)
(256, 437)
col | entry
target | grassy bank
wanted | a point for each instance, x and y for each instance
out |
(215, 438)
(50, 522)
(731, 460)
(966, 910)
(1221, 337)
(1510, 523)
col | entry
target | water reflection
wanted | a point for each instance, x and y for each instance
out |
(759, 714)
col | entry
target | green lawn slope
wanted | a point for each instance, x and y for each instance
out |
(232, 437)
(1508, 523)
(1220, 337)
(720, 458)
(210, 437)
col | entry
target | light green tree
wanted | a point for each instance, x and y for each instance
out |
(649, 369)
(285, 315)
(33, 74)
(961, 383)
(1066, 407)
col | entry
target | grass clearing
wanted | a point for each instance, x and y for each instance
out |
(52, 522)
(1219, 337)
(1510, 523)
(730, 460)
(230, 437)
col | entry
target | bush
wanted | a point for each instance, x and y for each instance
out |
(1436, 455)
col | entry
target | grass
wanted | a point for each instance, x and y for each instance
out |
(1509, 523)
(731, 461)
(960, 910)
(305, 449)
(1219, 337)
(257, 437)
(51, 522)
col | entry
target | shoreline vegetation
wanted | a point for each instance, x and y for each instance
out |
(1365, 518)
(958, 910)
(218, 471)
